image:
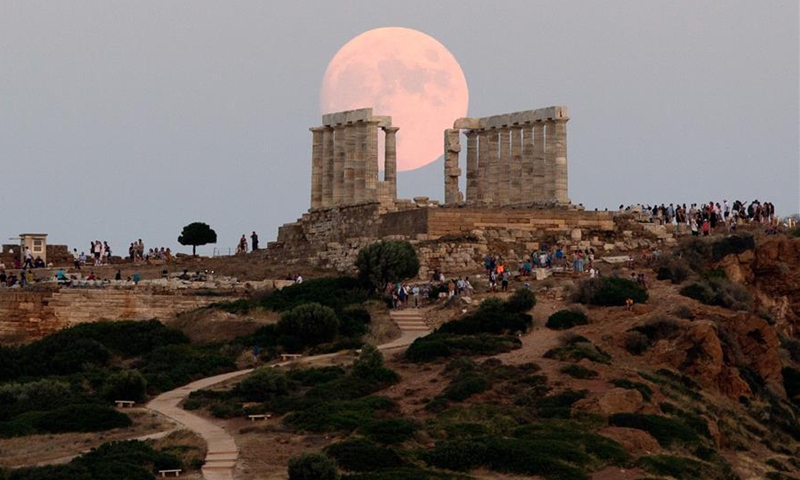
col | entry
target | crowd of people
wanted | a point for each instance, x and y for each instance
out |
(705, 218)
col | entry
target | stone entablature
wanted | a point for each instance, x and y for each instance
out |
(513, 158)
(344, 159)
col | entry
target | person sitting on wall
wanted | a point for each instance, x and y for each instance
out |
(38, 263)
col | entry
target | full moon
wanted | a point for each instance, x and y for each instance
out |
(403, 73)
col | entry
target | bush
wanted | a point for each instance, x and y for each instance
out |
(17, 398)
(439, 345)
(578, 371)
(361, 455)
(564, 319)
(673, 268)
(309, 324)
(720, 292)
(465, 387)
(520, 301)
(334, 292)
(659, 328)
(168, 367)
(125, 385)
(390, 431)
(339, 415)
(492, 316)
(666, 430)
(72, 418)
(384, 262)
(636, 343)
(354, 322)
(609, 291)
(312, 466)
(575, 348)
(678, 467)
(791, 382)
(647, 392)
(262, 385)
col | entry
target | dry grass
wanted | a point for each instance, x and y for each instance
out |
(61, 448)
(186, 445)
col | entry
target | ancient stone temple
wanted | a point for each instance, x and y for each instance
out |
(515, 158)
(344, 159)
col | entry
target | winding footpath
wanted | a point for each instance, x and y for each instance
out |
(222, 452)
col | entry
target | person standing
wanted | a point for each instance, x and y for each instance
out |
(254, 241)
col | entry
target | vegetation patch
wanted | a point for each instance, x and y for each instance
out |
(647, 392)
(578, 371)
(682, 468)
(494, 316)
(443, 345)
(362, 455)
(609, 292)
(575, 348)
(720, 292)
(565, 319)
(666, 430)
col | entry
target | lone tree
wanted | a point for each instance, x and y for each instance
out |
(384, 262)
(197, 233)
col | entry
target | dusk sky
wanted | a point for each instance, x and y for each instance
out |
(129, 119)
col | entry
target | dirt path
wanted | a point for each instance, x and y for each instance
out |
(223, 453)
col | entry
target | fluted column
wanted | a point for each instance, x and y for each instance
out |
(327, 167)
(561, 194)
(515, 195)
(483, 166)
(505, 166)
(527, 164)
(494, 166)
(452, 147)
(550, 160)
(338, 164)
(539, 165)
(371, 180)
(472, 166)
(316, 166)
(349, 164)
(390, 160)
(360, 162)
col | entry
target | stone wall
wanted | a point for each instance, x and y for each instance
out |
(453, 239)
(29, 315)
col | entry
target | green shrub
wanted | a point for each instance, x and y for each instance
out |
(354, 322)
(791, 382)
(558, 405)
(387, 261)
(369, 366)
(72, 418)
(564, 319)
(678, 467)
(578, 371)
(522, 300)
(575, 348)
(340, 415)
(673, 268)
(125, 385)
(168, 367)
(361, 455)
(490, 317)
(465, 387)
(390, 430)
(720, 292)
(647, 392)
(659, 328)
(312, 466)
(308, 377)
(334, 292)
(45, 394)
(442, 345)
(308, 324)
(666, 430)
(609, 291)
(261, 385)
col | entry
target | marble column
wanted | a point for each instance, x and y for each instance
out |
(327, 167)
(527, 164)
(504, 171)
(452, 147)
(561, 194)
(494, 166)
(338, 164)
(472, 166)
(550, 160)
(390, 160)
(316, 166)
(360, 162)
(371, 180)
(515, 195)
(539, 165)
(349, 164)
(483, 166)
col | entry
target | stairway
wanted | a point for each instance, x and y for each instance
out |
(409, 320)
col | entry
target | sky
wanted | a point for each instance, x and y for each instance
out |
(122, 120)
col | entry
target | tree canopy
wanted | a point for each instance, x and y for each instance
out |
(197, 233)
(384, 262)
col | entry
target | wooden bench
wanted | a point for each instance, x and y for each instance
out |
(176, 471)
(124, 403)
(259, 416)
(290, 356)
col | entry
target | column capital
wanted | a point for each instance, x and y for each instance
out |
(471, 133)
(318, 129)
(391, 129)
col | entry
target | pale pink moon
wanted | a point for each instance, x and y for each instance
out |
(403, 73)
